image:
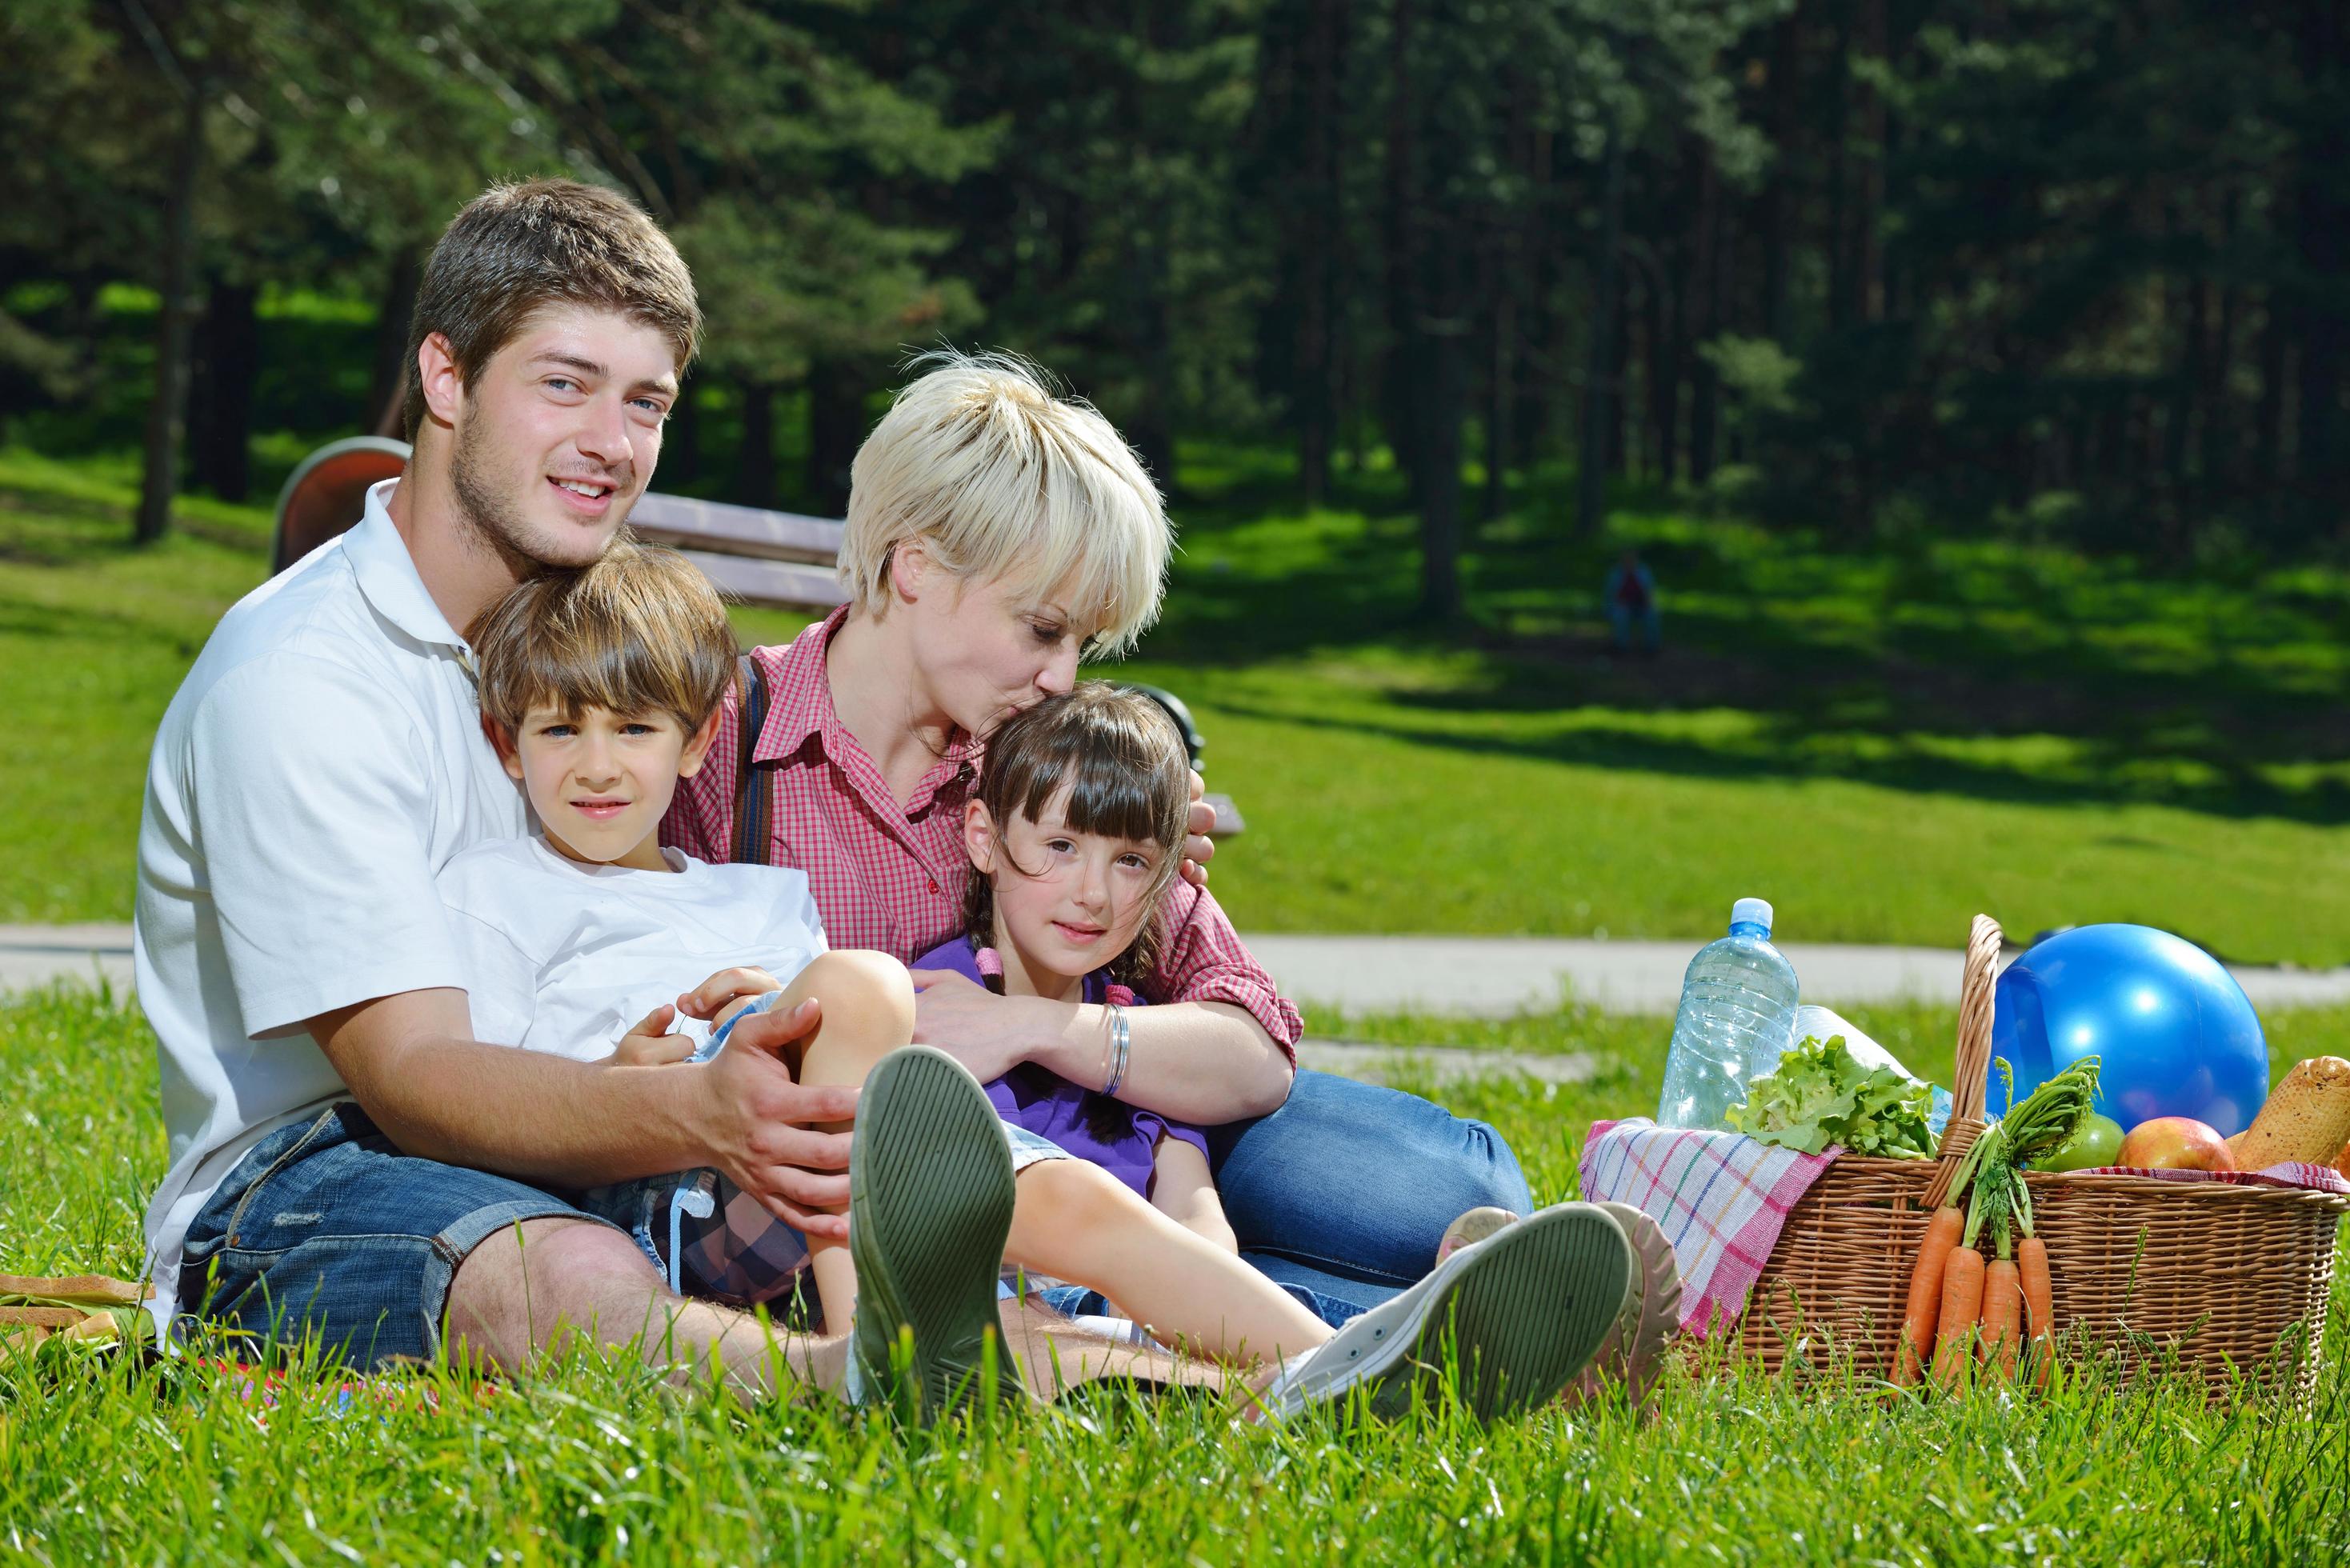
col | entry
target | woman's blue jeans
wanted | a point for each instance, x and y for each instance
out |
(1345, 1191)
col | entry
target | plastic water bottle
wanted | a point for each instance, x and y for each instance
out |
(1737, 1018)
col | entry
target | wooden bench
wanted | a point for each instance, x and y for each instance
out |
(779, 560)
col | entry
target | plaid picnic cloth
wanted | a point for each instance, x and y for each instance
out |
(1721, 1198)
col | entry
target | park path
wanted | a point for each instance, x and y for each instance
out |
(1488, 977)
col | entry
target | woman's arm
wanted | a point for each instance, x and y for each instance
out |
(1202, 1062)
(1220, 1047)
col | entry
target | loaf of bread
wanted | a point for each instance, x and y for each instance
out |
(2307, 1117)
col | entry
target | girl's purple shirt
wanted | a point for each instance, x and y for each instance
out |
(1051, 1106)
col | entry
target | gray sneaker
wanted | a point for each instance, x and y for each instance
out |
(1526, 1307)
(1632, 1355)
(929, 1205)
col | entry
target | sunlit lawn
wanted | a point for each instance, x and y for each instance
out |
(591, 1462)
(1882, 746)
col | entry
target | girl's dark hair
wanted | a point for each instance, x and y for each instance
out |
(1123, 763)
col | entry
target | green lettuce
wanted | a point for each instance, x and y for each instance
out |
(1821, 1095)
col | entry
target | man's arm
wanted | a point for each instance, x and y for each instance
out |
(411, 1062)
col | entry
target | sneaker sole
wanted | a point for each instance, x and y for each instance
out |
(931, 1195)
(1525, 1317)
(1645, 1328)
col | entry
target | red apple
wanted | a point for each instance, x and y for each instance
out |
(2176, 1143)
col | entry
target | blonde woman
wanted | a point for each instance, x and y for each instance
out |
(996, 534)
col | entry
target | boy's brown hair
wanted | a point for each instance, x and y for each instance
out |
(1123, 762)
(517, 248)
(640, 631)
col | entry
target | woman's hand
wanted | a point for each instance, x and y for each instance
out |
(1198, 848)
(988, 1033)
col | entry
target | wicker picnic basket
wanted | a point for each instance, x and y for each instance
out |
(2227, 1279)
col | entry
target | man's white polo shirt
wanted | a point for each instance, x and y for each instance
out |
(318, 766)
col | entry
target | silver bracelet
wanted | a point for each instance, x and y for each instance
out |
(1121, 1045)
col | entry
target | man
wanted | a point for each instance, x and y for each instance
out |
(345, 1157)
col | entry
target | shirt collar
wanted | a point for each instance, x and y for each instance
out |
(388, 576)
(799, 704)
(1097, 987)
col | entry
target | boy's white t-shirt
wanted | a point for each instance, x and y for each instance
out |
(566, 957)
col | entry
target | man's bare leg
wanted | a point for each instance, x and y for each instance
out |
(527, 1289)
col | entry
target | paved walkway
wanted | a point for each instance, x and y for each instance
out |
(1460, 976)
(1489, 976)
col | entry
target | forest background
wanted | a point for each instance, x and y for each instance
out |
(2073, 268)
(1972, 374)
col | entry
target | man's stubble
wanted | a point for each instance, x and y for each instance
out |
(492, 521)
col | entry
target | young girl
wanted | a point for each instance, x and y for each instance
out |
(1074, 832)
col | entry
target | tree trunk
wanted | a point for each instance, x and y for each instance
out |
(1501, 400)
(2268, 437)
(1402, 223)
(1705, 304)
(167, 408)
(1868, 253)
(1779, 195)
(220, 411)
(2323, 333)
(680, 452)
(835, 430)
(389, 369)
(1319, 319)
(1442, 404)
(755, 456)
(1599, 365)
(1842, 279)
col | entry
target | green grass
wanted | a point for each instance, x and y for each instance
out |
(1882, 743)
(589, 1462)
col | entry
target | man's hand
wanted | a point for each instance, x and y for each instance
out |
(988, 1033)
(1198, 848)
(650, 1044)
(726, 993)
(748, 1107)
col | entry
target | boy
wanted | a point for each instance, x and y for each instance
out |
(599, 691)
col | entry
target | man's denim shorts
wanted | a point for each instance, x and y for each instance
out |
(325, 1227)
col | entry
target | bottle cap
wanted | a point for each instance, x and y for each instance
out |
(1751, 912)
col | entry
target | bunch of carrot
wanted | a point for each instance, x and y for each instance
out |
(1959, 1304)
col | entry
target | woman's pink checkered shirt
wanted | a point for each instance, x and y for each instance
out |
(890, 878)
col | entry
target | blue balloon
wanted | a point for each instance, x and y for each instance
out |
(2173, 1033)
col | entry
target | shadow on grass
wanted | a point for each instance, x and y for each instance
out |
(1876, 667)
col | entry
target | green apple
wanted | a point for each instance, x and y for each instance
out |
(2096, 1141)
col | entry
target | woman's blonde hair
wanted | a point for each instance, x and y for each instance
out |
(996, 478)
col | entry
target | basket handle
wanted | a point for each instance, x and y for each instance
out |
(1972, 1081)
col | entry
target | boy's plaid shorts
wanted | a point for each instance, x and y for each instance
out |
(708, 1236)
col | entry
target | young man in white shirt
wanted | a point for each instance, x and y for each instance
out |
(343, 1148)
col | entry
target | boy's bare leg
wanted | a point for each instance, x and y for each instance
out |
(515, 1298)
(869, 1012)
(1182, 1190)
(525, 1290)
(1076, 1222)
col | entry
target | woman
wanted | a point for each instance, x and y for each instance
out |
(995, 534)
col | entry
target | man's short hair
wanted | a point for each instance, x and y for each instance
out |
(995, 477)
(517, 248)
(640, 631)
